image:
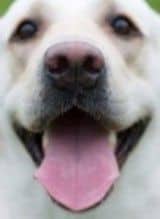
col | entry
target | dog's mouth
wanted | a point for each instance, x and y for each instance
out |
(78, 160)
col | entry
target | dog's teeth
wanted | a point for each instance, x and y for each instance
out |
(113, 139)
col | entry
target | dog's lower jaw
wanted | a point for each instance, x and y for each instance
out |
(65, 166)
(136, 195)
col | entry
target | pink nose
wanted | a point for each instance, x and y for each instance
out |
(73, 63)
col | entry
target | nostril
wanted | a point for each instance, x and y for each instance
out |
(58, 65)
(93, 64)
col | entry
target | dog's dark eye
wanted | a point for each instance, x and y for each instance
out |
(122, 26)
(26, 30)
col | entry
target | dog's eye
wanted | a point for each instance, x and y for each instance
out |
(26, 30)
(122, 26)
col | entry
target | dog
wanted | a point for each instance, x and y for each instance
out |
(80, 110)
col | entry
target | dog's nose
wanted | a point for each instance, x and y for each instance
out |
(74, 63)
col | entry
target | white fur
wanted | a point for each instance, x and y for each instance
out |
(135, 90)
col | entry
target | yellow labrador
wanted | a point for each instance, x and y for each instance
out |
(79, 94)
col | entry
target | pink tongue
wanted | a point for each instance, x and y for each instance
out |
(79, 167)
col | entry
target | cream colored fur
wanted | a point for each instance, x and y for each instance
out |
(135, 89)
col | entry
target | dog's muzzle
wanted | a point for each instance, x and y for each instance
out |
(77, 145)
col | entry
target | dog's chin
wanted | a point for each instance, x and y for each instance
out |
(72, 157)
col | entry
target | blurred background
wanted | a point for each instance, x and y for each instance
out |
(5, 3)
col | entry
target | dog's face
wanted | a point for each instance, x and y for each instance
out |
(79, 89)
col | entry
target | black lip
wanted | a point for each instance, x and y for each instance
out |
(32, 143)
(127, 140)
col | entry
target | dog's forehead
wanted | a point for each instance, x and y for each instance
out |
(78, 6)
(52, 8)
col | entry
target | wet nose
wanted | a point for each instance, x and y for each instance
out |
(74, 63)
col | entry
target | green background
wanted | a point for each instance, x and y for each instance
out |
(4, 4)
